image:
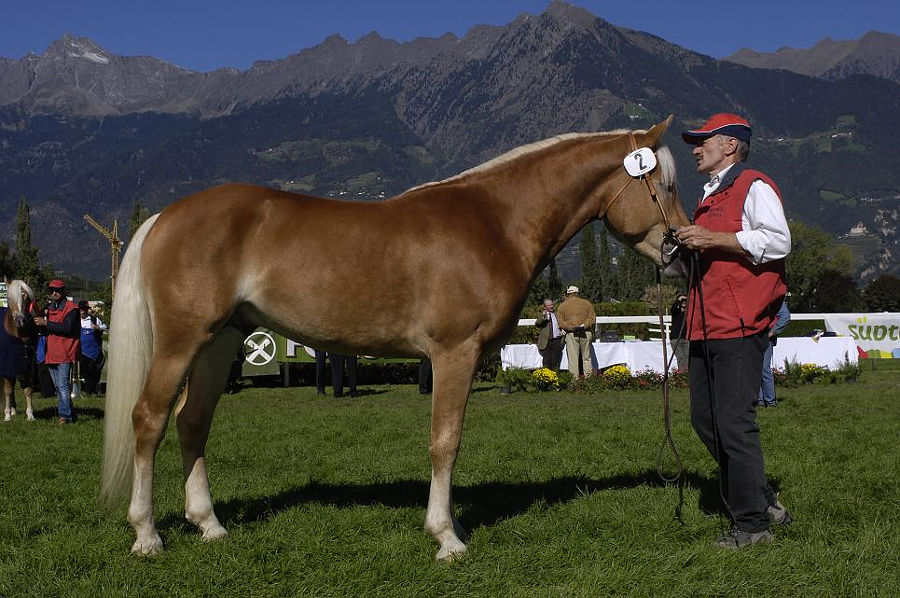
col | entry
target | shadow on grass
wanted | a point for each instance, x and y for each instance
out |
(82, 413)
(477, 506)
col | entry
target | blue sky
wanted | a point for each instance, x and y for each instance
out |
(205, 35)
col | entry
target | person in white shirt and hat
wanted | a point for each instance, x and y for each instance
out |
(739, 239)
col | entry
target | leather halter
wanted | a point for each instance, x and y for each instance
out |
(651, 188)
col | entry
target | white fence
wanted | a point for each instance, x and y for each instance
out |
(667, 320)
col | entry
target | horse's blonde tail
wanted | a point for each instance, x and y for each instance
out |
(130, 349)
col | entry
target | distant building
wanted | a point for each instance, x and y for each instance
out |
(858, 230)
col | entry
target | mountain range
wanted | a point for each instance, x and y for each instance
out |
(83, 130)
(875, 53)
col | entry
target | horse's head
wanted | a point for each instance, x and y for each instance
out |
(636, 217)
(19, 321)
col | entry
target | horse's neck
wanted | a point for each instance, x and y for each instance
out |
(548, 197)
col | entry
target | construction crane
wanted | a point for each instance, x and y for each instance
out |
(115, 246)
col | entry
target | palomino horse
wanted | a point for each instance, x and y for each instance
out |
(440, 271)
(18, 322)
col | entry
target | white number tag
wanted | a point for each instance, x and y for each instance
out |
(640, 161)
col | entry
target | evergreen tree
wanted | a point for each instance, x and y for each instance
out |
(636, 273)
(7, 262)
(138, 214)
(26, 260)
(608, 280)
(836, 292)
(539, 290)
(591, 283)
(883, 294)
(554, 282)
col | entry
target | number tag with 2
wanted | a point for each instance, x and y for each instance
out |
(640, 162)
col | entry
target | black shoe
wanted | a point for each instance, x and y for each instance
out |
(739, 539)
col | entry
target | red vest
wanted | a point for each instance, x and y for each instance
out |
(739, 298)
(59, 348)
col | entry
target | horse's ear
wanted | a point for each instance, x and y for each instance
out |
(656, 131)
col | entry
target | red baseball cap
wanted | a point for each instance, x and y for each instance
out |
(56, 284)
(723, 123)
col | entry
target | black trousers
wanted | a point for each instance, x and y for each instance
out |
(338, 363)
(552, 354)
(724, 416)
(426, 377)
(90, 372)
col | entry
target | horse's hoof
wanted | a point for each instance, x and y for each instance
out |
(147, 548)
(451, 553)
(29, 415)
(214, 533)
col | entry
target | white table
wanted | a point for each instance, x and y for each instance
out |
(636, 355)
(827, 352)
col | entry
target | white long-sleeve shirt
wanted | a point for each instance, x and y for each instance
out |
(765, 235)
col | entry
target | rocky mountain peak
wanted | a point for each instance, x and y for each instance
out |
(875, 53)
(68, 46)
(575, 15)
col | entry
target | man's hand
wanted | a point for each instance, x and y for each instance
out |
(701, 238)
(40, 321)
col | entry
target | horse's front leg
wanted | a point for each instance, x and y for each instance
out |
(452, 384)
(149, 417)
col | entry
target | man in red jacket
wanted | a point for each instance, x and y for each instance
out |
(741, 237)
(62, 326)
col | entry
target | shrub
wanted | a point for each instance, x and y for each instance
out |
(617, 376)
(545, 379)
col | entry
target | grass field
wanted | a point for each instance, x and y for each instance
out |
(326, 497)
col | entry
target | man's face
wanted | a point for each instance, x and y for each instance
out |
(714, 154)
(55, 294)
(548, 305)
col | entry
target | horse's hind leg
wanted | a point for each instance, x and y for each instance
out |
(194, 418)
(453, 371)
(149, 416)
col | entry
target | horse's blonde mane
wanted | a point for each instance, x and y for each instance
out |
(515, 153)
(14, 295)
(536, 146)
(666, 164)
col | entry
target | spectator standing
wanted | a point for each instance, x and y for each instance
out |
(678, 332)
(741, 238)
(767, 387)
(549, 341)
(339, 362)
(62, 326)
(92, 357)
(578, 318)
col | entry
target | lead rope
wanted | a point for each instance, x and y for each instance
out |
(666, 257)
(668, 441)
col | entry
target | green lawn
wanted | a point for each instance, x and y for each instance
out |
(326, 497)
